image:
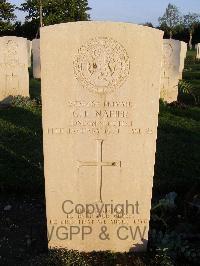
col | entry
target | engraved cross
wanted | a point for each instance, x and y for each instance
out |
(99, 163)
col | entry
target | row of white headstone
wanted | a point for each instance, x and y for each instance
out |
(15, 59)
(14, 66)
(101, 84)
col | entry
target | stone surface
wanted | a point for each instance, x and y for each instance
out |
(29, 47)
(100, 94)
(182, 58)
(170, 70)
(14, 77)
(198, 50)
(36, 58)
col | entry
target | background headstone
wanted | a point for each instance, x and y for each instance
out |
(100, 94)
(182, 58)
(198, 50)
(14, 77)
(29, 47)
(170, 70)
(36, 58)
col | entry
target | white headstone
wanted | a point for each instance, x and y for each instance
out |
(182, 58)
(170, 70)
(198, 50)
(29, 47)
(36, 58)
(14, 78)
(100, 94)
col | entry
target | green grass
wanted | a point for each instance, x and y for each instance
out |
(178, 150)
(21, 149)
(35, 91)
(191, 75)
(193, 67)
(21, 163)
(191, 52)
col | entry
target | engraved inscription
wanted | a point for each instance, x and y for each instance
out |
(11, 55)
(11, 59)
(102, 65)
(100, 119)
(167, 53)
(12, 83)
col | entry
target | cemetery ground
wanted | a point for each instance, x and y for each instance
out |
(174, 237)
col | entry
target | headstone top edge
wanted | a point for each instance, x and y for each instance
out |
(35, 40)
(16, 37)
(172, 40)
(183, 42)
(88, 23)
